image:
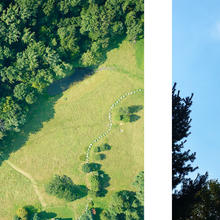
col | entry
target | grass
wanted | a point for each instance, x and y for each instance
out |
(140, 54)
(62, 126)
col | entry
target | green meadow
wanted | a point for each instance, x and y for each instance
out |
(62, 126)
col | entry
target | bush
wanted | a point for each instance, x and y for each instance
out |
(92, 193)
(16, 217)
(97, 149)
(99, 157)
(36, 217)
(63, 188)
(105, 147)
(124, 111)
(126, 118)
(87, 215)
(22, 213)
(89, 167)
(82, 157)
(95, 182)
(107, 215)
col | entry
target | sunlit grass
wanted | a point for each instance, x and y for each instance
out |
(66, 124)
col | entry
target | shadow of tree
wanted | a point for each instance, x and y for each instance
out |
(134, 117)
(31, 210)
(104, 183)
(97, 215)
(47, 215)
(135, 108)
(43, 109)
(61, 85)
(40, 112)
(82, 191)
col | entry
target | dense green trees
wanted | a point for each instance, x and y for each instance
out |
(127, 204)
(40, 40)
(208, 206)
(139, 184)
(123, 205)
(90, 167)
(64, 188)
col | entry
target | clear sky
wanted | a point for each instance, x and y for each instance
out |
(196, 68)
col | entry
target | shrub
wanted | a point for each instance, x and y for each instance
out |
(82, 157)
(105, 147)
(16, 217)
(124, 111)
(97, 149)
(107, 215)
(22, 213)
(36, 217)
(89, 167)
(87, 215)
(99, 157)
(95, 182)
(126, 118)
(62, 187)
(92, 193)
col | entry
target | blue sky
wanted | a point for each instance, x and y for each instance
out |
(196, 68)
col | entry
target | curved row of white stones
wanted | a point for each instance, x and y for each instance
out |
(110, 119)
(110, 125)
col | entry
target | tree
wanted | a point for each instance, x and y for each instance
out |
(12, 115)
(36, 216)
(99, 156)
(40, 41)
(139, 184)
(208, 206)
(90, 167)
(183, 198)
(63, 188)
(124, 205)
(22, 213)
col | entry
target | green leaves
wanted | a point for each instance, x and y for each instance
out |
(12, 115)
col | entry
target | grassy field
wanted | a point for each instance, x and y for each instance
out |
(61, 127)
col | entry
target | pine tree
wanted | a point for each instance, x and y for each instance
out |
(184, 198)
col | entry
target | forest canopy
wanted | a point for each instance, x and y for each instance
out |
(42, 40)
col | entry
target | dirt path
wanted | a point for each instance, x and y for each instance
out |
(40, 197)
(34, 183)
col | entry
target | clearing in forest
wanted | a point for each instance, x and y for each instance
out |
(62, 126)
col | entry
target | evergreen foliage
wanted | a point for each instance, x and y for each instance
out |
(184, 198)
(63, 188)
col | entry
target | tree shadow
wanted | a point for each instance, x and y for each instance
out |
(135, 108)
(104, 183)
(31, 211)
(134, 117)
(83, 191)
(97, 215)
(61, 85)
(41, 111)
(65, 218)
(47, 215)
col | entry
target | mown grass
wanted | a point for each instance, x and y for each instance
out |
(62, 126)
(140, 54)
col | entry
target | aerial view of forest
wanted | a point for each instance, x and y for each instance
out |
(71, 109)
